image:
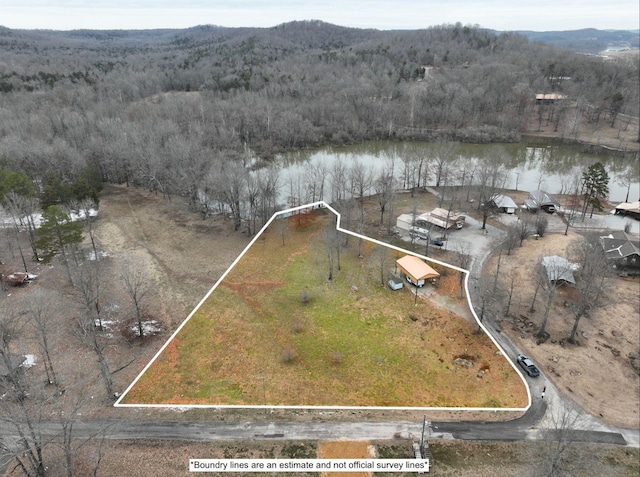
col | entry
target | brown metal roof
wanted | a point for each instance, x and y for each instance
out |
(416, 268)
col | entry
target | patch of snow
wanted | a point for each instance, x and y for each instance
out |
(148, 327)
(81, 215)
(101, 254)
(107, 327)
(36, 218)
(29, 362)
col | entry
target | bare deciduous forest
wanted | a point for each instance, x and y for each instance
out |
(178, 110)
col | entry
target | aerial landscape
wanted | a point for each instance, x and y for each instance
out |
(238, 232)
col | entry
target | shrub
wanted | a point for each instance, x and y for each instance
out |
(305, 296)
(298, 326)
(541, 225)
(288, 355)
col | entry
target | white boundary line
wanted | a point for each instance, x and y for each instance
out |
(340, 229)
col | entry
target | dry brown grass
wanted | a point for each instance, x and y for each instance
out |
(345, 450)
(254, 342)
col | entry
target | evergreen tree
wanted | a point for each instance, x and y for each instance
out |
(58, 235)
(596, 188)
(16, 182)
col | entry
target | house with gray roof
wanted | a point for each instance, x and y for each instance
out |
(623, 250)
(544, 201)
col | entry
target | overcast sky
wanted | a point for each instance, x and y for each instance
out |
(538, 15)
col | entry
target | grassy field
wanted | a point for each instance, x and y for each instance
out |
(277, 331)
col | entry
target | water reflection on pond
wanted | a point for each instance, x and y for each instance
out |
(530, 166)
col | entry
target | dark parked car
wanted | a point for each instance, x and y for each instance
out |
(528, 366)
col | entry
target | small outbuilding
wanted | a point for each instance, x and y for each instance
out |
(504, 203)
(559, 269)
(395, 283)
(416, 270)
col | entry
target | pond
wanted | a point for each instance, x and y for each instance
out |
(529, 166)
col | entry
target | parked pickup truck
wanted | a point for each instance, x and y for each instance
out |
(528, 366)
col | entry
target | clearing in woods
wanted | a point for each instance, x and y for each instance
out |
(303, 318)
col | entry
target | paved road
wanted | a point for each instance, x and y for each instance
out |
(518, 429)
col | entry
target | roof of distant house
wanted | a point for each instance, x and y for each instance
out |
(618, 245)
(629, 207)
(549, 96)
(543, 198)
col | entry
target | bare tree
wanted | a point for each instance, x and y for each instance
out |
(137, 285)
(415, 171)
(20, 412)
(68, 441)
(253, 201)
(361, 179)
(339, 179)
(228, 184)
(512, 238)
(87, 209)
(444, 154)
(283, 228)
(525, 229)
(627, 177)
(500, 248)
(560, 439)
(490, 175)
(383, 256)
(541, 225)
(315, 178)
(22, 209)
(384, 186)
(89, 282)
(511, 281)
(12, 205)
(552, 276)
(591, 278)
(330, 239)
(269, 185)
(43, 307)
(463, 249)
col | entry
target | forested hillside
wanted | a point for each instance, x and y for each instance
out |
(176, 110)
(587, 40)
